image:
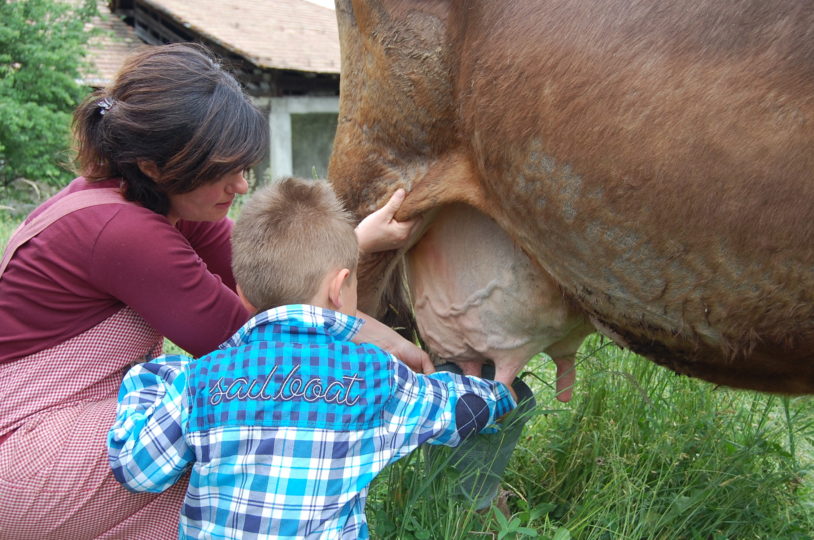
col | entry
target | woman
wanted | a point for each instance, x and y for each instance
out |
(136, 249)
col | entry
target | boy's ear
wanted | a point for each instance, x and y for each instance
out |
(335, 287)
(246, 304)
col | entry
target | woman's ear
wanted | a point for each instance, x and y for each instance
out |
(246, 304)
(149, 168)
(336, 286)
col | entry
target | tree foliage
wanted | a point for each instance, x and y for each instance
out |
(42, 49)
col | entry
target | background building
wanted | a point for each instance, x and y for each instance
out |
(284, 52)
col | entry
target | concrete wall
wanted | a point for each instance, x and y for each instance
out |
(312, 138)
(302, 130)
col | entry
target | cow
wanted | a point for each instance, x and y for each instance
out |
(640, 168)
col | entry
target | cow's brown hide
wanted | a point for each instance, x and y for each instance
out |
(656, 159)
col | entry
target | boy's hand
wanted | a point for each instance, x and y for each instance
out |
(415, 358)
(380, 232)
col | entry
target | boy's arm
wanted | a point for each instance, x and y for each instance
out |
(445, 408)
(147, 449)
(388, 339)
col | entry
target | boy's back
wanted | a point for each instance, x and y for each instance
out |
(287, 425)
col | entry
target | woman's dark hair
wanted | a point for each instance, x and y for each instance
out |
(175, 106)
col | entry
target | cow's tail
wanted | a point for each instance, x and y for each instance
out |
(398, 307)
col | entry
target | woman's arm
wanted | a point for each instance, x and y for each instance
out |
(212, 242)
(147, 264)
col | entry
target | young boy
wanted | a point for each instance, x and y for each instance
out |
(289, 421)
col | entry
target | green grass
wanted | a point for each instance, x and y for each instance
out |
(639, 453)
(7, 225)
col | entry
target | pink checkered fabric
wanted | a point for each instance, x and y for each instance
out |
(56, 407)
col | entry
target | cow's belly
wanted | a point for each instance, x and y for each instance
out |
(478, 297)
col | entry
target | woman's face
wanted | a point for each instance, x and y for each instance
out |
(209, 202)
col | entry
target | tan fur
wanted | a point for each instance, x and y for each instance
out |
(655, 159)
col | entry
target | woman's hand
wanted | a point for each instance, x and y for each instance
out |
(380, 232)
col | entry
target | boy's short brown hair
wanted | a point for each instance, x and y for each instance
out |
(289, 235)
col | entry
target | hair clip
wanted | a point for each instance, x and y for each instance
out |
(104, 105)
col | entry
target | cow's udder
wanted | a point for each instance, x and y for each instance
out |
(479, 298)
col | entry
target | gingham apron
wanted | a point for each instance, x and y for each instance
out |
(56, 407)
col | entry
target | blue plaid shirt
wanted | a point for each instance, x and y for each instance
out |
(286, 425)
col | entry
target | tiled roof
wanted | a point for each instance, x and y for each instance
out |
(281, 34)
(108, 51)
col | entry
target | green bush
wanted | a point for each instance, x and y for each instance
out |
(42, 48)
